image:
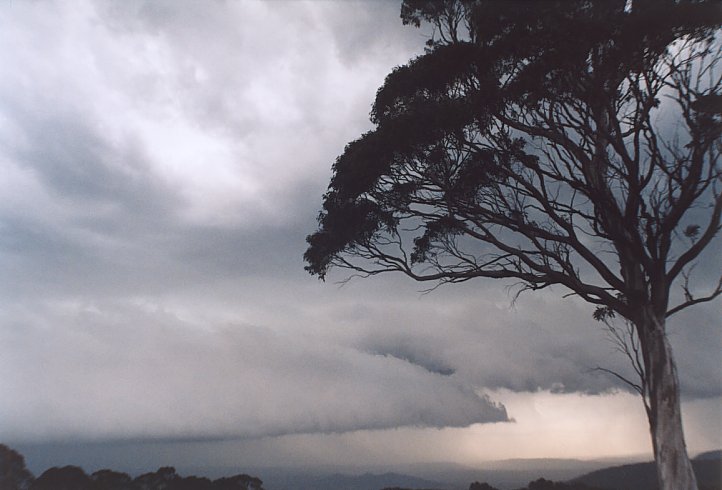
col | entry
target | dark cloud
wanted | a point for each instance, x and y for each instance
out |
(401, 352)
(543, 342)
(697, 343)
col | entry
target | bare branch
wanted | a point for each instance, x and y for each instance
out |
(691, 301)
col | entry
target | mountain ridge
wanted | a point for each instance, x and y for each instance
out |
(643, 476)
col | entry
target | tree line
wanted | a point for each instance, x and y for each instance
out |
(15, 476)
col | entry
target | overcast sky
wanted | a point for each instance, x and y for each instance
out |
(160, 166)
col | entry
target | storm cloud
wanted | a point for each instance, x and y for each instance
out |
(137, 371)
(161, 167)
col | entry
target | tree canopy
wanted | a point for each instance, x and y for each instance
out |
(570, 143)
(13, 473)
(533, 150)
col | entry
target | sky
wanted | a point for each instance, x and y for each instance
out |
(161, 165)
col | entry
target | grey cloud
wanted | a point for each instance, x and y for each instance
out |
(100, 256)
(402, 353)
(232, 74)
(697, 343)
(100, 220)
(101, 180)
(128, 371)
(233, 63)
(354, 23)
(543, 343)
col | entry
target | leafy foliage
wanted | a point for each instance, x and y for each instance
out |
(497, 154)
(13, 473)
(165, 478)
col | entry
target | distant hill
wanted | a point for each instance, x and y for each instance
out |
(643, 476)
(367, 481)
(504, 474)
(709, 455)
(509, 474)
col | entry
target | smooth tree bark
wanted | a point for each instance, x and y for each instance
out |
(551, 143)
(665, 417)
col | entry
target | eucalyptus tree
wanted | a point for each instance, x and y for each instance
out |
(569, 143)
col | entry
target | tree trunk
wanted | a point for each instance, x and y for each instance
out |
(674, 470)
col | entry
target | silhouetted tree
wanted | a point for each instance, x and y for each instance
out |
(481, 486)
(159, 480)
(14, 476)
(13, 473)
(65, 478)
(570, 143)
(112, 480)
(238, 482)
(544, 484)
(192, 483)
(401, 488)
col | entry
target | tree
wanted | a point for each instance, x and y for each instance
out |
(573, 144)
(238, 482)
(13, 473)
(163, 479)
(481, 486)
(112, 480)
(65, 478)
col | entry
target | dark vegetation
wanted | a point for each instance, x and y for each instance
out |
(15, 476)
